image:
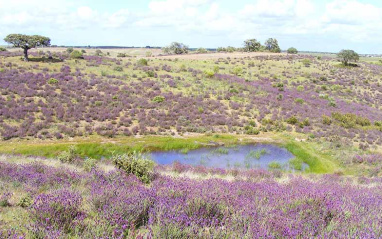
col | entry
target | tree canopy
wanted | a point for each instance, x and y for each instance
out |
(345, 56)
(27, 42)
(272, 45)
(292, 50)
(176, 48)
(252, 45)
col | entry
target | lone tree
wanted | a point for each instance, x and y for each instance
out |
(272, 45)
(292, 50)
(252, 45)
(27, 42)
(345, 56)
(176, 48)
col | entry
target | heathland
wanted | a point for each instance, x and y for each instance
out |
(71, 127)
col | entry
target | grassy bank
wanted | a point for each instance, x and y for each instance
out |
(98, 147)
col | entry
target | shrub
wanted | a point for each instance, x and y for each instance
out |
(89, 164)
(349, 120)
(52, 81)
(3, 49)
(292, 120)
(237, 71)
(76, 55)
(69, 155)
(209, 73)
(135, 163)
(25, 201)
(326, 120)
(149, 54)
(201, 50)
(121, 55)
(69, 50)
(83, 51)
(292, 50)
(299, 101)
(98, 52)
(118, 68)
(4, 199)
(306, 62)
(142, 62)
(158, 99)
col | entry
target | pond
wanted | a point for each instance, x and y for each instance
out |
(242, 156)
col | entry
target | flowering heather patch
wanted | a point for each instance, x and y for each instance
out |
(116, 205)
(270, 90)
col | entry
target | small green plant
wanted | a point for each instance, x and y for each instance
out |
(274, 165)
(149, 54)
(306, 62)
(326, 120)
(296, 164)
(69, 50)
(292, 120)
(237, 71)
(184, 151)
(89, 164)
(52, 81)
(142, 62)
(121, 55)
(135, 163)
(150, 73)
(69, 155)
(299, 101)
(220, 151)
(209, 73)
(118, 68)
(76, 55)
(300, 88)
(158, 99)
(25, 201)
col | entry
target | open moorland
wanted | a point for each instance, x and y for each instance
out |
(71, 128)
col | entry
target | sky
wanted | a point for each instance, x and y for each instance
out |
(308, 25)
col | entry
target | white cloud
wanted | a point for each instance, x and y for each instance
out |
(350, 20)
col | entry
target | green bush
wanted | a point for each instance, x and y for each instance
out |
(237, 71)
(209, 73)
(69, 50)
(142, 62)
(299, 101)
(306, 62)
(135, 163)
(121, 55)
(158, 99)
(25, 201)
(89, 164)
(118, 68)
(52, 81)
(69, 155)
(76, 55)
(349, 120)
(148, 54)
(326, 120)
(3, 49)
(201, 50)
(292, 120)
(292, 50)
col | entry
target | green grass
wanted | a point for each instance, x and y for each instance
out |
(97, 148)
(307, 153)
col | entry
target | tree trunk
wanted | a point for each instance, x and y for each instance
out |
(26, 54)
